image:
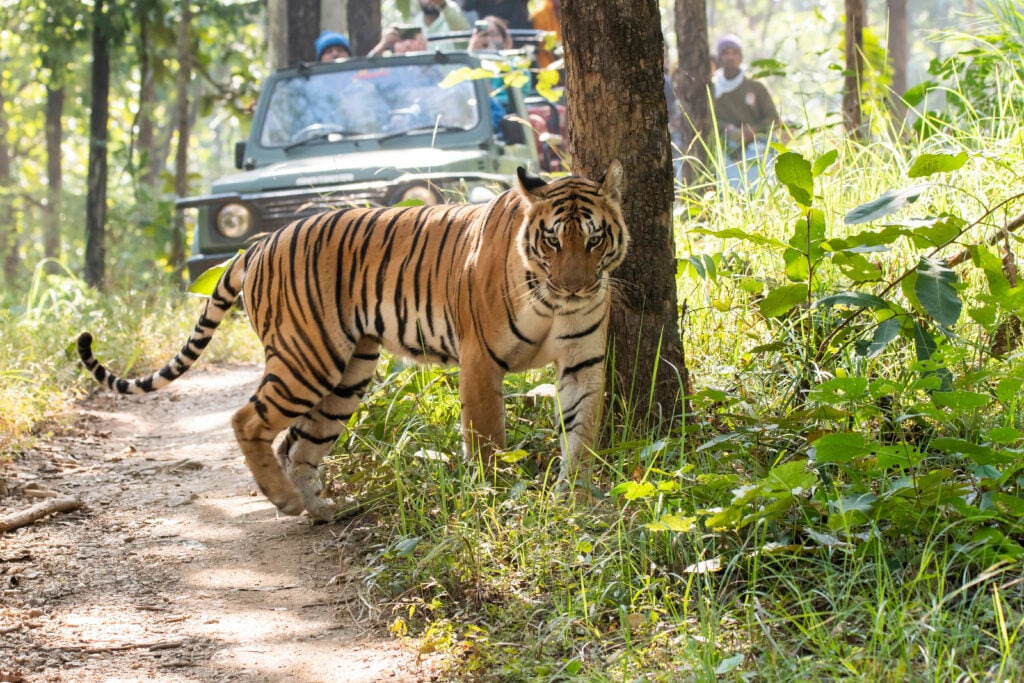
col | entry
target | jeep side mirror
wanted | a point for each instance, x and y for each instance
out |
(239, 155)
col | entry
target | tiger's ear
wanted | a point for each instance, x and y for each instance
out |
(611, 182)
(528, 183)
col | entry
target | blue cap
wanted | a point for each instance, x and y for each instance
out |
(329, 38)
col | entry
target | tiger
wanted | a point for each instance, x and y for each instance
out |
(517, 283)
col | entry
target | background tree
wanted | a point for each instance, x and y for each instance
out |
(692, 83)
(96, 200)
(177, 256)
(616, 103)
(363, 25)
(899, 54)
(293, 26)
(852, 115)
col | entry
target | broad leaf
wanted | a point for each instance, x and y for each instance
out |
(888, 203)
(823, 162)
(782, 300)
(841, 447)
(856, 300)
(885, 332)
(207, 282)
(794, 171)
(929, 164)
(935, 290)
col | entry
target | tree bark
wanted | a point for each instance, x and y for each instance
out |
(617, 109)
(693, 84)
(363, 25)
(303, 28)
(177, 255)
(899, 54)
(96, 199)
(852, 116)
(148, 163)
(8, 228)
(54, 172)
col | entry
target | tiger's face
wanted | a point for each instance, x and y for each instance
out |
(574, 235)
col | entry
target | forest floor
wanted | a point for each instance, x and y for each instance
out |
(174, 569)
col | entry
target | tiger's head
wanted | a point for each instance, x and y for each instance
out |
(573, 235)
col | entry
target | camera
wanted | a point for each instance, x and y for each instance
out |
(408, 32)
(481, 26)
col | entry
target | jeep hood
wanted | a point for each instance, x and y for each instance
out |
(380, 165)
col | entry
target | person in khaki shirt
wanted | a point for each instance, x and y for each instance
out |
(745, 114)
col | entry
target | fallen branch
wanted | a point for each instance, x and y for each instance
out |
(965, 254)
(38, 511)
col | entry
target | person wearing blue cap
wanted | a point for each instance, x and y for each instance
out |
(331, 47)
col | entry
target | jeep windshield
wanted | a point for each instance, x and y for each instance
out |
(388, 101)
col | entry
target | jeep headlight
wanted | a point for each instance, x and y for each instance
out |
(234, 220)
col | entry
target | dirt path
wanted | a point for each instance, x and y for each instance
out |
(173, 570)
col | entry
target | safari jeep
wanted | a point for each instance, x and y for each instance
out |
(364, 132)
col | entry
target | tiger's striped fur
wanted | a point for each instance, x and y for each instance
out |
(515, 284)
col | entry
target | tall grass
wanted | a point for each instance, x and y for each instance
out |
(135, 330)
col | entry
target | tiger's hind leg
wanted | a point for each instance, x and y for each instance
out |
(281, 398)
(311, 437)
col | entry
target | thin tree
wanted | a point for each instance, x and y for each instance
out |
(96, 198)
(177, 255)
(617, 110)
(855, 19)
(292, 28)
(899, 52)
(363, 25)
(692, 83)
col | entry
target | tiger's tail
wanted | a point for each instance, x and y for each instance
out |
(217, 305)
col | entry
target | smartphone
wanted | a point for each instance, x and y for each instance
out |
(408, 32)
(481, 26)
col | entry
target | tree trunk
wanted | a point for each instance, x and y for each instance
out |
(334, 16)
(616, 104)
(8, 229)
(54, 171)
(96, 199)
(363, 25)
(852, 117)
(277, 33)
(177, 255)
(303, 18)
(899, 53)
(693, 84)
(148, 162)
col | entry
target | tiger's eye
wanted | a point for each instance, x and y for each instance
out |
(552, 242)
(595, 241)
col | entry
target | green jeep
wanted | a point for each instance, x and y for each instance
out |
(364, 132)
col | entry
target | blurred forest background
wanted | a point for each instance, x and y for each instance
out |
(181, 71)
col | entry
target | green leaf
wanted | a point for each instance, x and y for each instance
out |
(885, 332)
(898, 455)
(929, 164)
(736, 233)
(794, 477)
(824, 161)
(935, 291)
(728, 665)
(982, 455)
(673, 523)
(1008, 391)
(888, 203)
(839, 390)
(782, 300)
(841, 447)
(794, 171)
(856, 300)
(632, 490)
(207, 282)
(857, 267)
(1004, 435)
(965, 402)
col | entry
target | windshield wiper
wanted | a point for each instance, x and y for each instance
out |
(419, 130)
(321, 137)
